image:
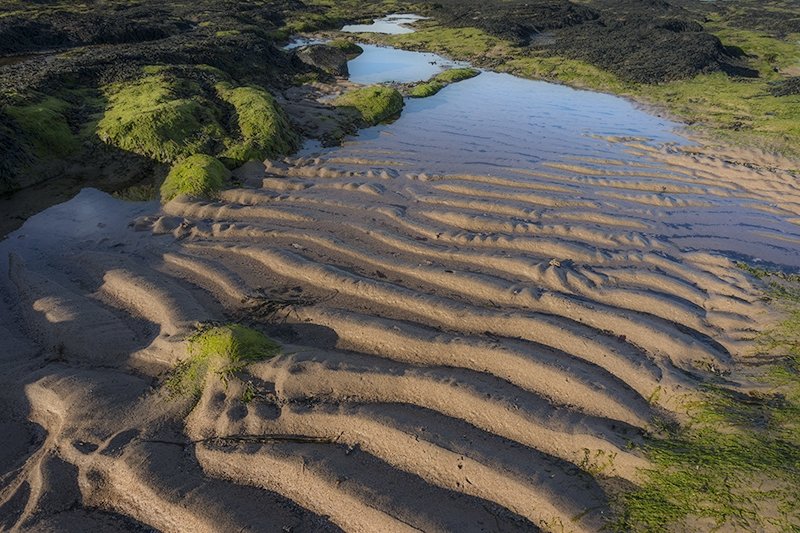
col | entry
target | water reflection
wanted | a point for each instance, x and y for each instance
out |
(380, 64)
(393, 25)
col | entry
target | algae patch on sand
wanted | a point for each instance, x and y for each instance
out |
(736, 463)
(197, 176)
(221, 350)
(374, 104)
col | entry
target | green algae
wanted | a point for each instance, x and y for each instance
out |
(159, 116)
(44, 124)
(222, 351)
(374, 104)
(442, 80)
(264, 128)
(735, 465)
(198, 175)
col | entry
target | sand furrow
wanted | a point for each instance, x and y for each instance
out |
(216, 211)
(534, 494)
(621, 359)
(646, 331)
(225, 285)
(327, 377)
(145, 293)
(567, 381)
(70, 324)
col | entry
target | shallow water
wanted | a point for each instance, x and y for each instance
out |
(498, 120)
(393, 25)
(381, 64)
(543, 134)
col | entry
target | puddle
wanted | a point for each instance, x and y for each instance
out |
(393, 25)
(381, 64)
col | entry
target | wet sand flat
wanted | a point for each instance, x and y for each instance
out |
(452, 344)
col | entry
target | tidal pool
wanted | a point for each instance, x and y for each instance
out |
(382, 64)
(396, 24)
(553, 137)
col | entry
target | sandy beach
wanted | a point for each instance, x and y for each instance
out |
(456, 350)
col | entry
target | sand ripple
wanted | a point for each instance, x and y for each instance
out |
(461, 352)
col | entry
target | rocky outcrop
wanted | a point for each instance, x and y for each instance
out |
(327, 58)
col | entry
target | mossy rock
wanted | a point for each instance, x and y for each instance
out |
(351, 49)
(167, 116)
(264, 127)
(374, 104)
(159, 117)
(221, 350)
(44, 126)
(426, 89)
(329, 59)
(442, 80)
(199, 176)
(454, 75)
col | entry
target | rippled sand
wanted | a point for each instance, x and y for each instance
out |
(459, 351)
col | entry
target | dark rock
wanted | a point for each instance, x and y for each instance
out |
(645, 41)
(649, 51)
(517, 21)
(327, 58)
(787, 87)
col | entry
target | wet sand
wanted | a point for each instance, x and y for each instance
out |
(451, 344)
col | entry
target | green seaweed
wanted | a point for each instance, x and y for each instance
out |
(736, 463)
(44, 124)
(265, 128)
(159, 116)
(442, 80)
(426, 89)
(374, 104)
(198, 175)
(166, 116)
(222, 351)
(454, 75)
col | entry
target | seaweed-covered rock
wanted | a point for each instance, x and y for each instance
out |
(330, 59)
(351, 49)
(440, 81)
(649, 51)
(22, 34)
(517, 21)
(198, 176)
(374, 104)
